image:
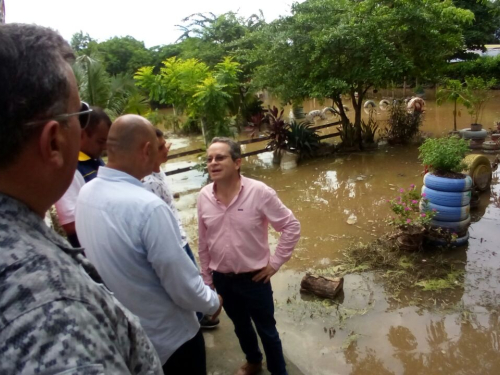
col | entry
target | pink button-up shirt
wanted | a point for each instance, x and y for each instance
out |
(234, 238)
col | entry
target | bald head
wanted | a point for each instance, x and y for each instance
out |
(132, 145)
(128, 133)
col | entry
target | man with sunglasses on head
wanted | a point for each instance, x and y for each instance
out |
(234, 213)
(57, 316)
(92, 146)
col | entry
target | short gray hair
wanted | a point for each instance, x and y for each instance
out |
(33, 83)
(234, 147)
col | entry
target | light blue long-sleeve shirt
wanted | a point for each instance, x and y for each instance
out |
(132, 238)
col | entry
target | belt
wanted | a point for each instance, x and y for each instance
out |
(243, 275)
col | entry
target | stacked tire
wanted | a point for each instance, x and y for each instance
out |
(450, 198)
(477, 136)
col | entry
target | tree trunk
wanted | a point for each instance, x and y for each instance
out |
(204, 130)
(321, 286)
(455, 117)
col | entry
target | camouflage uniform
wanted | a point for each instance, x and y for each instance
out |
(56, 316)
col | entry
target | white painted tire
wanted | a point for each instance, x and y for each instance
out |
(384, 104)
(369, 104)
(490, 145)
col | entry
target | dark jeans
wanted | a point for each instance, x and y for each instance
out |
(190, 358)
(244, 301)
(190, 254)
(73, 240)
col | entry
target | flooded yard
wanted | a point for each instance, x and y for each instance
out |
(369, 330)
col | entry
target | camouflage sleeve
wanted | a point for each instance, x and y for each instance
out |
(72, 337)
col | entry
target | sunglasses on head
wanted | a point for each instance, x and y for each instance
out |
(83, 116)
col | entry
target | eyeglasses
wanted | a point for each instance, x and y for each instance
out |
(217, 158)
(83, 116)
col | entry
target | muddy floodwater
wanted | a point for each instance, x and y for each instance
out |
(367, 330)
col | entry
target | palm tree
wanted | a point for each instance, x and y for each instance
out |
(118, 95)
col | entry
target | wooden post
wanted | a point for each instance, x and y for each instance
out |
(321, 286)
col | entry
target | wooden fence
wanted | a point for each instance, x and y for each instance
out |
(245, 142)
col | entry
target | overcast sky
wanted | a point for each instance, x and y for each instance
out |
(152, 21)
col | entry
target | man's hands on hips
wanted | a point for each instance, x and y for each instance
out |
(265, 274)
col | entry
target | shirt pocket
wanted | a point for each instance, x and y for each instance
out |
(95, 369)
(246, 219)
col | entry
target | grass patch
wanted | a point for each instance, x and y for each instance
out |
(406, 275)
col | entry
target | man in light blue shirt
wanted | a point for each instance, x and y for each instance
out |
(133, 239)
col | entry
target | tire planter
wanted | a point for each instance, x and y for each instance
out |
(447, 213)
(416, 104)
(288, 160)
(440, 242)
(447, 184)
(476, 146)
(447, 198)
(450, 198)
(469, 134)
(490, 145)
(452, 226)
(479, 169)
(495, 137)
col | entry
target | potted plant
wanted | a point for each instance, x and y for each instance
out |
(411, 222)
(476, 94)
(446, 189)
(452, 92)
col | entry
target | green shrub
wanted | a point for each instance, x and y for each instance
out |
(302, 139)
(402, 126)
(485, 67)
(444, 155)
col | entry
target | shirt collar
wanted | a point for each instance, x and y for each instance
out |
(82, 156)
(25, 216)
(116, 175)
(243, 180)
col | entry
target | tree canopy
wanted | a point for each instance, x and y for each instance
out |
(331, 47)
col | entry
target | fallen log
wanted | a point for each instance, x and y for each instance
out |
(322, 286)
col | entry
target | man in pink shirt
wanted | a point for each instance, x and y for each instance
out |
(233, 217)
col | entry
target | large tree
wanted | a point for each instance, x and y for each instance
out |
(327, 48)
(124, 55)
(210, 38)
(195, 89)
(483, 30)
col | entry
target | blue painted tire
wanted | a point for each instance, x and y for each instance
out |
(440, 242)
(452, 226)
(469, 134)
(449, 199)
(446, 213)
(447, 184)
